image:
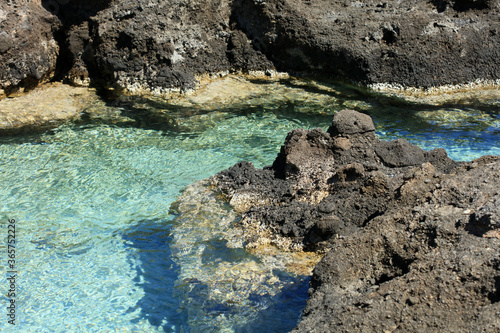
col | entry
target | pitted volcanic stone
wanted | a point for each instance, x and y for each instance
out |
(400, 153)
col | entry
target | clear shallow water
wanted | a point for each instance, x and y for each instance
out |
(101, 249)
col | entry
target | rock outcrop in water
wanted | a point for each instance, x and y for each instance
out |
(412, 237)
(156, 45)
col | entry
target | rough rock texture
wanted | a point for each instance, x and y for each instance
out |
(164, 44)
(154, 45)
(76, 57)
(413, 43)
(412, 237)
(28, 50)
(139, 44)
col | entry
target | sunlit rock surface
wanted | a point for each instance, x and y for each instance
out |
(28, 49)
(412, 237)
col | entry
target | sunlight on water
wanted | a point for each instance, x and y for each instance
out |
(100, 248)
(77, 197)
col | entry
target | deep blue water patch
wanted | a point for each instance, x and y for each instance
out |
(280, 308)
(157, 274)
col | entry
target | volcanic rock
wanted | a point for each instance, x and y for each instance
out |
(409, 43)
(155, 46)
(412, 238)
(28, 50)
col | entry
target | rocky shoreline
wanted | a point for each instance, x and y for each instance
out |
(411, 237)
(158, 46)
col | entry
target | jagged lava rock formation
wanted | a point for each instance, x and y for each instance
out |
(412, 238)
(156, 45)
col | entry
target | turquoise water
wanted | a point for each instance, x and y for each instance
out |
(103, 246)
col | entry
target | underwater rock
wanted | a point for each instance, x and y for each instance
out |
(223, 283)
(411, 237)
(46, 107)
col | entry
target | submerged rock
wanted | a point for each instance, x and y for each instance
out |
(223, 285)
(412, 237)
(44, 108)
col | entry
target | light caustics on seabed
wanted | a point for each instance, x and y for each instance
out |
(102, 247)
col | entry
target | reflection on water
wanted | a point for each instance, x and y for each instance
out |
(116, 233)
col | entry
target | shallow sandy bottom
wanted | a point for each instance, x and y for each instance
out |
(53, 104)
(44, 107)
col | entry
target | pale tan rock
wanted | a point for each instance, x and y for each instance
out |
(44, 107)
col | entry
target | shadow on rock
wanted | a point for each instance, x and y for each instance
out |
(411, 236)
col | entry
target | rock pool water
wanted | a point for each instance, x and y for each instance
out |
(104, 245)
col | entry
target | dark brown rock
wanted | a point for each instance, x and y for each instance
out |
(412, 43)
(399, 153)
(157, 45)
(413, 237)
(351, 122)
(144, 45)
(28, 50)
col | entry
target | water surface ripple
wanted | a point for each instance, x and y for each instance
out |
(100, 248)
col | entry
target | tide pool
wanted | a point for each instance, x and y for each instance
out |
(102, 246)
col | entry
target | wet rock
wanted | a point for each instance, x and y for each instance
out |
(215, 269)
(412, 237)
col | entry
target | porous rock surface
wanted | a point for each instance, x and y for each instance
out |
(412, 237)
(165, 44)
(156, 45)
(28, 50)
(412, 43)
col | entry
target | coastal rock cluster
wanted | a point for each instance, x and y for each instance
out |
(154, 46)
(411, 237)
